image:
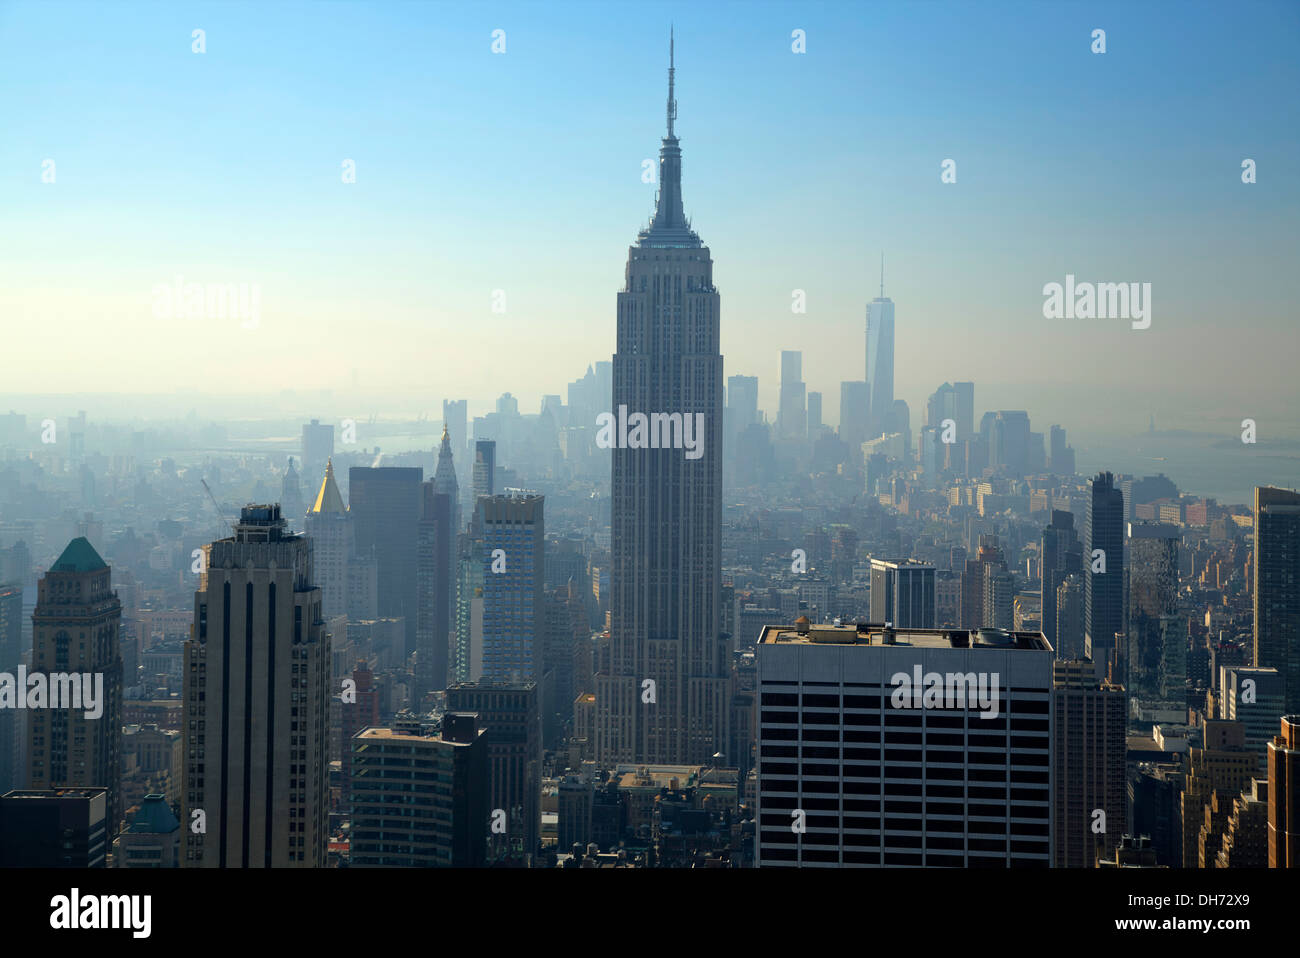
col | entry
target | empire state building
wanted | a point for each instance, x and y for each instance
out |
(665, 696)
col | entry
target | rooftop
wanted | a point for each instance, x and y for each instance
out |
(881, 634)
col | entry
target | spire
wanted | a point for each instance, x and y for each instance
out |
(672, 104)
(882, 274)
(329, 499)
(669, 227)
(445, 437)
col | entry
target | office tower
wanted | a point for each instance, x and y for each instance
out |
(359, 710)
(566, 630)
(791, 417)
(988, 561)
(291, 495)
(847, 732)
(1223, 764)
(76, 631)
(153, 840)
(1277, 586)
(435, 574)
(329, 526)
(466, 654)
(485, 464)
(880, 361)
(12, 773)
(385, 506)
(257, 696)
(942, 405)
(1069, 617)
(1103, 591)
(54, 828)
(666, 509)
(1154, 799)
(1152, 596)
(1257, 699)
(742, 408)
(855, 420)
(454, 421)
(964, 409)
(444, 482)
(1006, 434)
(814, 415)
(902, 593)
(1088, 765)
(1283, 795)
(420, 798)
(1062, 555)
(1060, 455)
(999, 597)
(1244, 842)
(511, 713)
(317, 447)
(513, 536)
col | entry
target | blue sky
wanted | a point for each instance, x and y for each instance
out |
(522, 172)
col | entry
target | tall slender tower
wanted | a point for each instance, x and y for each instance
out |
(880, 359)
(663, 698)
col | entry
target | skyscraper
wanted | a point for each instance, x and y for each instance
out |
(902, 593)
(792, 415)
(513, 534)
(11, 654)
(435, 574)
(317, 446)
(1103, 578)
(257, 694)
(385, 506)
(330, 528)
(1152, 596)
(1277, 586)
(454, 423)
(881, 774)
(76, 630)
(880, 360)
(855, 421)
(666, 509)
(1284, 795)
(511, 713)
(485, 464)
(420, 799)
(1088, 758)
(1062, 555)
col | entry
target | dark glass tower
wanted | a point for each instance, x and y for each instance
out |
(1277, 586)
(1103, 592)
(666, 508)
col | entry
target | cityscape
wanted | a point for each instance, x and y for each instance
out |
(808, 581)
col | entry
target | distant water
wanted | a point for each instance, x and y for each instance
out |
(1199, 464)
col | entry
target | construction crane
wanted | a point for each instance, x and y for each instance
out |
(208, 490)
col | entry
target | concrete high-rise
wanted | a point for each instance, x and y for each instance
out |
(1103, 571)
(76, 633)
(854, 744)
(880, 360)
(257, 696)
(385, 504)
(666, 508)
(1277, 586)
(484, 476)
(435, 575)
(420, 798)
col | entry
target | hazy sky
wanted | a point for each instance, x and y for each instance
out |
(522, 171)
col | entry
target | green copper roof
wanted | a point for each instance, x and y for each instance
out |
(79, 556)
